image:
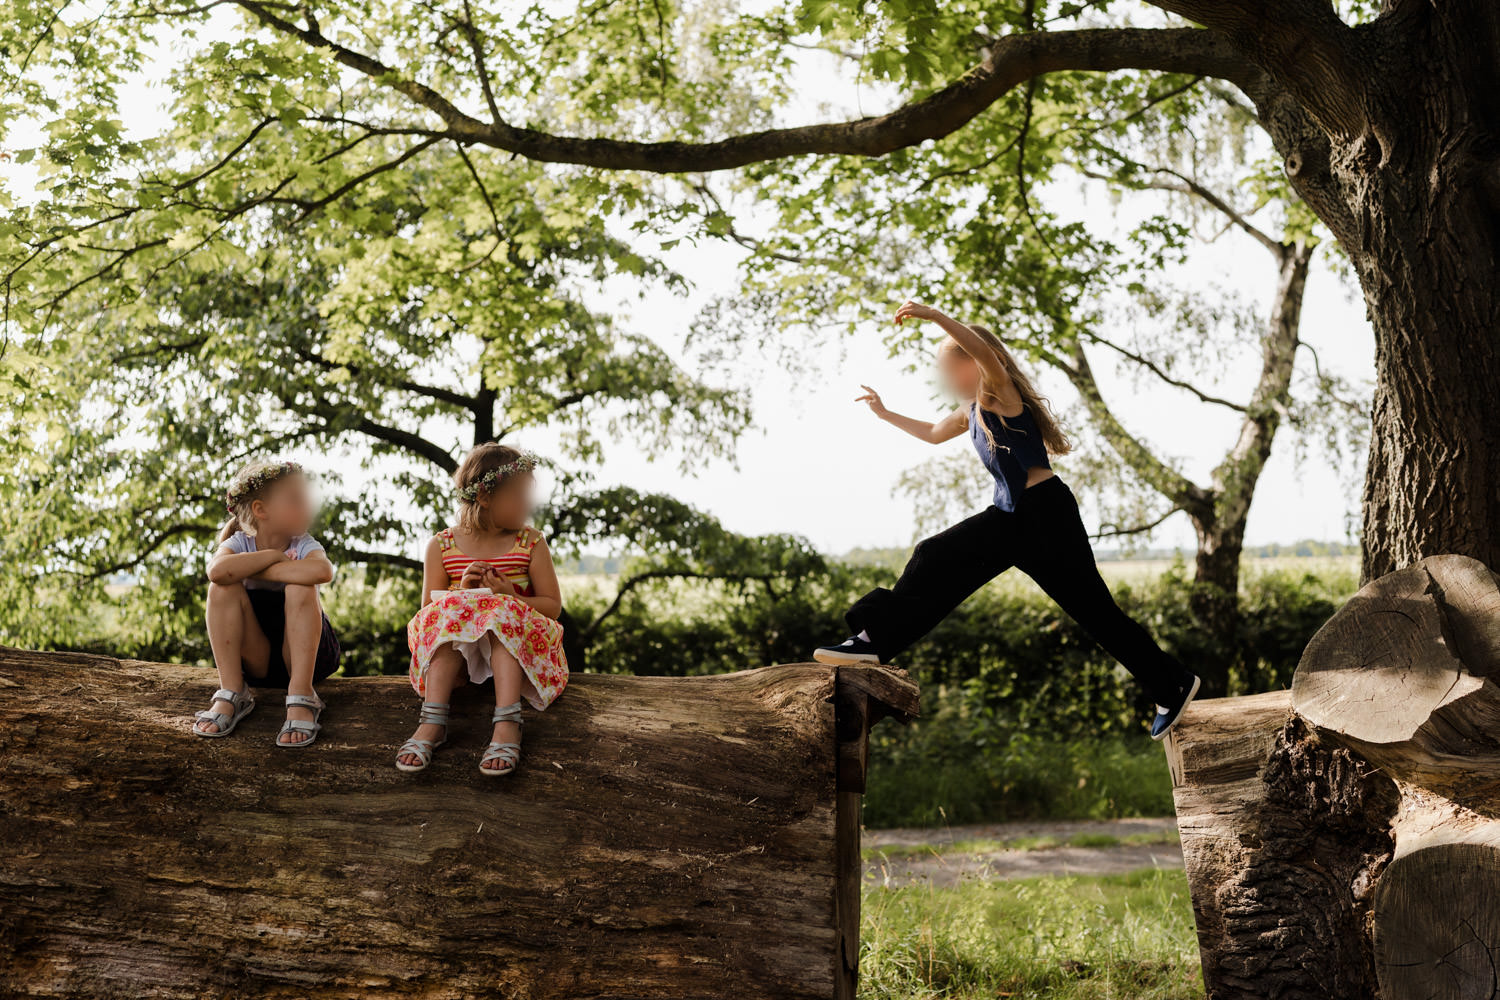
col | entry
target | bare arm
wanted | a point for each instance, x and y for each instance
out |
(228, 567)
(975, 345)
(931, 431)
(434, 574)
(313, 568)
(548, 596)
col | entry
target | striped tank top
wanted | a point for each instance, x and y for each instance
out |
(515, 564)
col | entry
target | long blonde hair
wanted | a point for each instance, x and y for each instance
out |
(1055, 441)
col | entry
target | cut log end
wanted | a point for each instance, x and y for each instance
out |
(1403, 674)
(1437, 925)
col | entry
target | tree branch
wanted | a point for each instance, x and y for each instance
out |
(1301, 44)
(1139, 529)
(382, 558)
(414, 443)
(1011, 61)
(1183, 493)
(1161, 373)
(405, 385)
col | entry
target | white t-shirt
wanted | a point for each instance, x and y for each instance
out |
(240, 543)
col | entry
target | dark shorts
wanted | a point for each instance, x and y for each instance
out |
(270, 611)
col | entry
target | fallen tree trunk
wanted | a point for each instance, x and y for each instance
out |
(1342, 840)
(664, 837)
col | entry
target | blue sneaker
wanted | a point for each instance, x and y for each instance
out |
(852, 650)
(1166, 718)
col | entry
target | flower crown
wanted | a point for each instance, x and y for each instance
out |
(524, 462)
(257, 481)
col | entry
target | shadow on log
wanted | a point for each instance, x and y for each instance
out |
(664, 837)
(1340, 839)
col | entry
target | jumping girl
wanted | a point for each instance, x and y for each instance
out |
(1033, 524)
(493, 602)
(264, 620)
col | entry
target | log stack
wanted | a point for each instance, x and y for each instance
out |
(1342, 839)
(664, 837)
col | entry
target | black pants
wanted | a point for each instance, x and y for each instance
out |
(1045, 538)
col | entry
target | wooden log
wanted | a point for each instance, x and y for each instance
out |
(664, 837)
(1402, 675)
(1342, 840)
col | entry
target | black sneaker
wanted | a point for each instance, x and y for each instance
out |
(851, 651)
(1166, 718)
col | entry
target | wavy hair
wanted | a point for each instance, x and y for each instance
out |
(1053, 438)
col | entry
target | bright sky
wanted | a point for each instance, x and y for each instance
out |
(817, 464)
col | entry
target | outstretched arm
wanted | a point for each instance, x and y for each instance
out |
(975, 345)
(931, 431)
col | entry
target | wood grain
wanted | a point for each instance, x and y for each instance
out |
(665, 837)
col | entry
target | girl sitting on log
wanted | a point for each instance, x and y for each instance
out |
(264, 619)
(493, 602)
(1033, 523)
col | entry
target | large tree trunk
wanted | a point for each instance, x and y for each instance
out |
(1343, 840)
(664, 837)
(1408, 179)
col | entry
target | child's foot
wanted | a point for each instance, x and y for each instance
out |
(416, 753)
(1167, 715)
(426, 733)
(228, 708)
(299, 710)
(851, 651)
(505, 732)
(504, 751)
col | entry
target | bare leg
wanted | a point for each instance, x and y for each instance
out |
(442, 678)
(299, 649)
(507, 692)
(239, 646)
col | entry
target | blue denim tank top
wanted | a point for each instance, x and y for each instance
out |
(1017, 448)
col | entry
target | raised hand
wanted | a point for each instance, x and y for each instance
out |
(877, 406)
(915, 310)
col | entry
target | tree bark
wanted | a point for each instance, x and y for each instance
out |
(1342, 839)
(683, 837)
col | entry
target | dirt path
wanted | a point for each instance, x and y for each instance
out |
(945, 856)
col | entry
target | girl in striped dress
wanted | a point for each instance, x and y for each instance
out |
(492, 606)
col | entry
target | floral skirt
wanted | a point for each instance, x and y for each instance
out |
(468, 618)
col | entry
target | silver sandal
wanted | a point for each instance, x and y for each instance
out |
(301, 725)
(509, 753)
(242, 701)
(434, 713)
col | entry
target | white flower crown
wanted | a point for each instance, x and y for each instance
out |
(525, 462)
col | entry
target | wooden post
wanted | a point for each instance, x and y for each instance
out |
(1342, 840)
(664, 837)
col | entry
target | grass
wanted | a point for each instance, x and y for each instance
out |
(1035, 843)
(1124, 937)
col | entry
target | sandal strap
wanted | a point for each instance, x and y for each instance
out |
(433, 713)
(508, 713)
(300, 725)
(304, 701)
(217, 718)
(508, 752)
(420, 748)
(233, 697)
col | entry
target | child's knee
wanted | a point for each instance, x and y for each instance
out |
(301, 597)
(221, 593)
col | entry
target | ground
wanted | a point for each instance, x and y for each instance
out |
(948, 856)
